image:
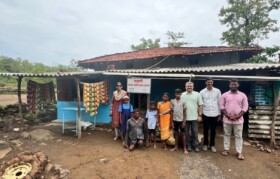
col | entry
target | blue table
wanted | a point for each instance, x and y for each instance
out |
(71, 109)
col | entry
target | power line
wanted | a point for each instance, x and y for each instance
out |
(157, 62)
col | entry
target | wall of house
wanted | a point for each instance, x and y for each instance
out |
(200, 60)
(277, 86)
(219, 59)
(159, 86)
(66, 85)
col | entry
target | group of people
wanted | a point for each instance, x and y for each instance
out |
(182, 115)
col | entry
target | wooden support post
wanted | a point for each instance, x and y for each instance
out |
(148, 101)
(272, 127)
(79, 132)
(139, 101)
(19, 80)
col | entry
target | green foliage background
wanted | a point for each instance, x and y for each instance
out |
(248, 21)
(18, 65)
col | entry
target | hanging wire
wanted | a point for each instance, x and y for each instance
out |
(157, 63)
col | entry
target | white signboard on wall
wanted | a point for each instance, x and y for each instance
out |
(139, 85)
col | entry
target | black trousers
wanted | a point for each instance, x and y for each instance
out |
(209, 122)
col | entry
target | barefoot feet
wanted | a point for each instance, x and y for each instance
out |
(174, 149)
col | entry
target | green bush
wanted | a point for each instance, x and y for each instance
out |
(31, 117)
(53, 105)
(2, 111)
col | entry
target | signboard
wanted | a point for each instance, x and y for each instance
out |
(139, 85)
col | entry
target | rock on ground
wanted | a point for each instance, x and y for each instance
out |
(62, 172)
(18, 143)
(38, 134)
(4, 149)
(25, 135)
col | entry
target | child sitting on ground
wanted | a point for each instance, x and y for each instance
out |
(151, 118)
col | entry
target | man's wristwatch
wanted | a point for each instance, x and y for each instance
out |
(200, 115)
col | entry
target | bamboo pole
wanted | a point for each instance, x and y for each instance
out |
(79, 132)
(19, 80)
(272, 127)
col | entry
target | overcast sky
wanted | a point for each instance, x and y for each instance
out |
(56, 31)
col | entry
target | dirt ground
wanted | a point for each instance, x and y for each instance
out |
(11, 99)
(82, 157)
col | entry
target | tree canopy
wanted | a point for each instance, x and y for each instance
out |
(269, 55)
(10, 65)
(175, 39)
(248, 21)
(146, 44)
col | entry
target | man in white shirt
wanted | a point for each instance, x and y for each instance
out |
(211, 113)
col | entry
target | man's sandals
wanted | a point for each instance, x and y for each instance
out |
(225, 153)
(238, 155)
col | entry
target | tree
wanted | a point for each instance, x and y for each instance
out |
(248, 21)
(74, 65)
(174, 39)
(19, 65)
(268, 56)
(6, 64)
(146, 44)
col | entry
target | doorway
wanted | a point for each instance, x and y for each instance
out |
(139, 101)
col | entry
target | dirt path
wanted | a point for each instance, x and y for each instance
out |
(11, 99)
(82, 157)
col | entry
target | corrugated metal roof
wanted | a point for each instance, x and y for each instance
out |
(159, 52)
(50, 75)
(221, 68)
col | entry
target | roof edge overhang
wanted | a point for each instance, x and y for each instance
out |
(193, 76)
(51, 75)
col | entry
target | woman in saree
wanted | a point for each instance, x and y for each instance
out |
(116, 102)
(164, 108)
